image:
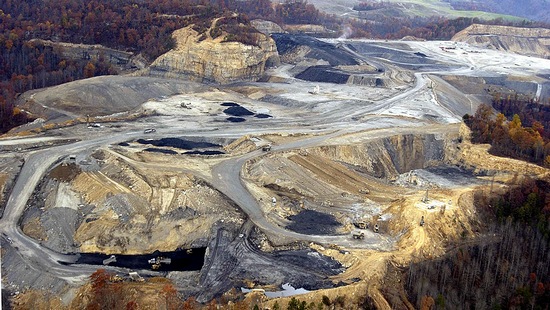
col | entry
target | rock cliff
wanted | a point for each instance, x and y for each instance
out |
(203, 58)
(525, 41)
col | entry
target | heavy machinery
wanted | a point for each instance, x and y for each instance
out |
(357, 234)
(158, 261)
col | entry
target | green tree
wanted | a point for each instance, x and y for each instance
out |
(515, 123)
(440, 301)
(326, 300)
(293, 304)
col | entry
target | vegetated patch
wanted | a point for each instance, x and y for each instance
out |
(262, 115)
(314, 223)
(181, 260)
(163, 151)
(523, 252)
(178, 143)
(65, 173)
(206, 152)
(235, 119)
(238, 111)
(370, 6)
(510, 264)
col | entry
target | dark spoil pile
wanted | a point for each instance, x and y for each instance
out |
(313, 223)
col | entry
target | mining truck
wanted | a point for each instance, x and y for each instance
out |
(357, 234)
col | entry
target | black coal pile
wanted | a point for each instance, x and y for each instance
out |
(324, 74)
(333, 54)
(313, 223)
(235, 119)
(163, 151)
(207, 152)
(238, 111)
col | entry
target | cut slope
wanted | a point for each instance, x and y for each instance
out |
(525, 41)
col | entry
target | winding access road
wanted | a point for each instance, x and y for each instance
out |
(226, 177)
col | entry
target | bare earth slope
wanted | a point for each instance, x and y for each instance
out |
(102, 95)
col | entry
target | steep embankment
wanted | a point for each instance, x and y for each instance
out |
(388, 157)
(350, 181)
(525, 41)
(204, 58)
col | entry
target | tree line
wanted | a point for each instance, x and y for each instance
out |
(507, 268)
(145, 27)
(511, 135)
(511, 273)
(107, 291)
(428, 28)
(142, 27)
(371, 5)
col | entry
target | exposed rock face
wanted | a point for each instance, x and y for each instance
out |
(388, 157)
(525, 41)
(213, 60)
(266, 27)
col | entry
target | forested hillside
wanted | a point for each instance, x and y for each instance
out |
(144, 28)
(530, 9)
(141, 27)
(506, 269)
(519, 131)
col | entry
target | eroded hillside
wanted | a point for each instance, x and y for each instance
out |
(107, 204)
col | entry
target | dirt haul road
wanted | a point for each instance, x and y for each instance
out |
(225, 177)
